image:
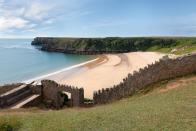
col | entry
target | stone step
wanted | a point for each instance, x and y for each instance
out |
(25, 101)
(18, 97)
(14, 92)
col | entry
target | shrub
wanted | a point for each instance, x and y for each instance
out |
(9, 124)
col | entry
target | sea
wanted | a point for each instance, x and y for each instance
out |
(20, 61)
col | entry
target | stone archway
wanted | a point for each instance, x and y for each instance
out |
(65, 98)
(52, 92)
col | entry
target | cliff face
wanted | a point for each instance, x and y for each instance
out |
(76, 45)
(107, 45)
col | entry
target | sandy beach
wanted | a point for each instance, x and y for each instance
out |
(105, 71)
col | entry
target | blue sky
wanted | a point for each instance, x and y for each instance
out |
(97, 18)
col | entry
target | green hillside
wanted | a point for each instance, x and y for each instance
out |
(161, 108)
(175, 45)
(182, 46)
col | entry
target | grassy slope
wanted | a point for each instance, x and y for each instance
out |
(171, 110)
(181, 47)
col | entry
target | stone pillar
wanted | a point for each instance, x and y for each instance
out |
(81, 96)
(50, 93)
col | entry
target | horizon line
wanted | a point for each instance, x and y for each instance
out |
(155, 36)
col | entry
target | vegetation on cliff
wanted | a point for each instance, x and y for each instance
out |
(178, 45)
(168, 105)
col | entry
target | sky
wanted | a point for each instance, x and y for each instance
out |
(97, 18)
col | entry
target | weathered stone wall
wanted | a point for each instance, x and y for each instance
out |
(51, 93)
(36, 89)
(166, 68)
(8, 87)
(14, 95)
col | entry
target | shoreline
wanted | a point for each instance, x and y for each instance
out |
(109, 72)
(58, 71)
(104, 71)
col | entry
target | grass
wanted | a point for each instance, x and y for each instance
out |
(9, 124)
(181, 47)
(154, 110)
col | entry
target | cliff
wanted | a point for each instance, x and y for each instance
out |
(111, 44)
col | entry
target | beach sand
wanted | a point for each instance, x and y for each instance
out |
(106, 71)
(102, 72)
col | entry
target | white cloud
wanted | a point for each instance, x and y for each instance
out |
(37, 11)
(30, 30)
(32, 25)
(25, 15)
(13, 22)
(49, 21)
(1, 4)
(1, 1)
(21, 16)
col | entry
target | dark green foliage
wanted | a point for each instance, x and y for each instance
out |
(8, 124)
(115, 44)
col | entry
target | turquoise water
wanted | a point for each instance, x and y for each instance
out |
(20, 61)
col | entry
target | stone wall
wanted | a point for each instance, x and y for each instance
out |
(51, 93)
(15, 95)
(8, 87)
(165, 68)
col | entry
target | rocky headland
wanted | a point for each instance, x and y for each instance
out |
(113, 44)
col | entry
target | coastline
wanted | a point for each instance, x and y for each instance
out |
(102, 72)
(109, 71)
(58, 71)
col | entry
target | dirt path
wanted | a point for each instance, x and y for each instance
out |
(177, 83)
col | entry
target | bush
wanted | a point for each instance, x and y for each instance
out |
(7, 124)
